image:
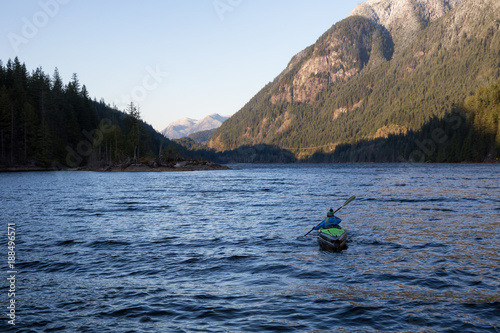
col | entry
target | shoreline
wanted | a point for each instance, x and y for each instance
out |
(127, 167)
(192, 165)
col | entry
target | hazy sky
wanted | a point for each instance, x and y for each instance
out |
(174, 58)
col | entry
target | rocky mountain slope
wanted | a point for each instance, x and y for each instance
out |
(404, 19)
(387, 68)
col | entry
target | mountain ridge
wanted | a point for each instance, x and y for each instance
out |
(358, 80)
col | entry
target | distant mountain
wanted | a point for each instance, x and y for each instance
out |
(178, 128)
(186, 126)
(387, 69)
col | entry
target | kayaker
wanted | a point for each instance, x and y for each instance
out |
(330, 221)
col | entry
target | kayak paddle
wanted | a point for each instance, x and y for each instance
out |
(345, 204)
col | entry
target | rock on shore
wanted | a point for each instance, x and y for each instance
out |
(191, 165)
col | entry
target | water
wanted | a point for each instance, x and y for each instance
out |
(223, 250)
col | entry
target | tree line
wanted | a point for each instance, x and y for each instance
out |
(45, 122)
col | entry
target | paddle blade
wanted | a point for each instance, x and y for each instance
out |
(346, 203)
(349, 200)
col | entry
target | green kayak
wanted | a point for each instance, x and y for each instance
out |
(332, 239)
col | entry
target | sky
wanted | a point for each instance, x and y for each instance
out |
(172, 58)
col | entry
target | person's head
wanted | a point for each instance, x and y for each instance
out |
(329, 213)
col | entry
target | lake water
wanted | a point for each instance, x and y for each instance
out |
(224, 250)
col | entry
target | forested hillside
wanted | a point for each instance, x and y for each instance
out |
(468, 132)
(351, 87)
(46, 123)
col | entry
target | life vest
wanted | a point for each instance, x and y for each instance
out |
(328, 222)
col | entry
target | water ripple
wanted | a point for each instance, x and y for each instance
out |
(224, 251)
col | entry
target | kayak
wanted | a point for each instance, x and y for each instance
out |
(332, 239)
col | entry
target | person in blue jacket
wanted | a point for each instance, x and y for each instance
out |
(329, 222)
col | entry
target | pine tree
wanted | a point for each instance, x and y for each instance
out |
(134, 132)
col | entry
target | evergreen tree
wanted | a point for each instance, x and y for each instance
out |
(43, 121)
(134, 132)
